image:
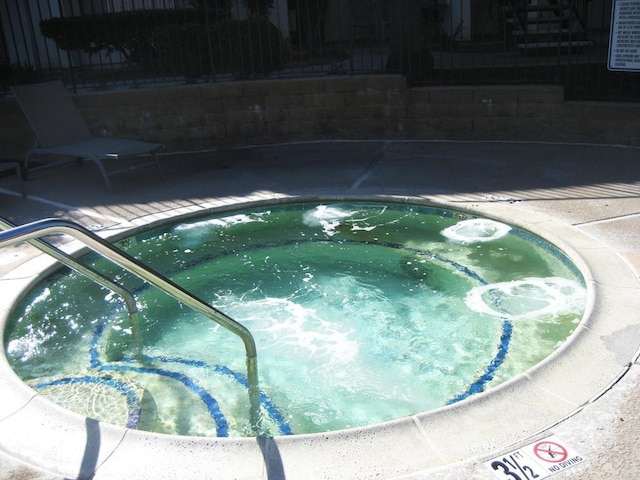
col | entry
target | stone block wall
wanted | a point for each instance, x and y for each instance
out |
(210, 116)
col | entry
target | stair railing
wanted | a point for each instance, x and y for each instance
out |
(97, 277)
(520, 8)
(31, 232)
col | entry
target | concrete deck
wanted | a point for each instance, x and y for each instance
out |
(586, 197)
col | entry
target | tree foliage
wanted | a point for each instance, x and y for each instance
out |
(241, 47)
(128, 33)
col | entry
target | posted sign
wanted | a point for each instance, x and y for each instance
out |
(624, 43)
(535, 461)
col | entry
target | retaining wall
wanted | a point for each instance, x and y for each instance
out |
(205, 116)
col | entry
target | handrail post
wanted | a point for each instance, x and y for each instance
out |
(34, 230)
(254, 393)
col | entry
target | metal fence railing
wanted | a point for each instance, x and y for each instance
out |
(102, 44)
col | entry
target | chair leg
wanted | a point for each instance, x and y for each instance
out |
(157, 162)
(104, 174)
(21, 179)
(25, 166)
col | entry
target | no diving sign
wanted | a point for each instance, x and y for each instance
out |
(535, 461)
(550, 452)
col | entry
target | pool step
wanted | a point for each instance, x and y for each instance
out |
(105, 397)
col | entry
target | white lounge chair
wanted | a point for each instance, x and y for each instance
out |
(61, 131)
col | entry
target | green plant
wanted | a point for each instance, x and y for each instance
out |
(128, 33)
(244, 47)
(249, 46)
(180, 50)
(258, 8)
(14, 74)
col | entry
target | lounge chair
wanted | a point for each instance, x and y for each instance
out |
(61, 131)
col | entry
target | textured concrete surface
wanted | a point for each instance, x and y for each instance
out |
(595, 189)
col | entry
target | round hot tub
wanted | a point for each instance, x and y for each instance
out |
(361, 312)
(394, 336)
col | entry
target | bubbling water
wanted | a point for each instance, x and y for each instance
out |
(476, 230)
(528, 299)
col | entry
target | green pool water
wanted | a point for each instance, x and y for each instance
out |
(361, 312)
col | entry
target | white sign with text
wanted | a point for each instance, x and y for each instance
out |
(624, 43)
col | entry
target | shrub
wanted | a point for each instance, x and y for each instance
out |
(14, 74)
(241, 47)
(182, 50)
(129, 33)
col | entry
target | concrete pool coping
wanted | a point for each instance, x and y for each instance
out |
(599, 353)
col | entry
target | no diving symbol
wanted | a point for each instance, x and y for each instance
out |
(550, 451)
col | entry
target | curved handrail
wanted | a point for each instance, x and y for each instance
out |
(93, 275)
(34, 230)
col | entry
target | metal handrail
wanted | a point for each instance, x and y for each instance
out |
(97, 277)
(34, 230)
